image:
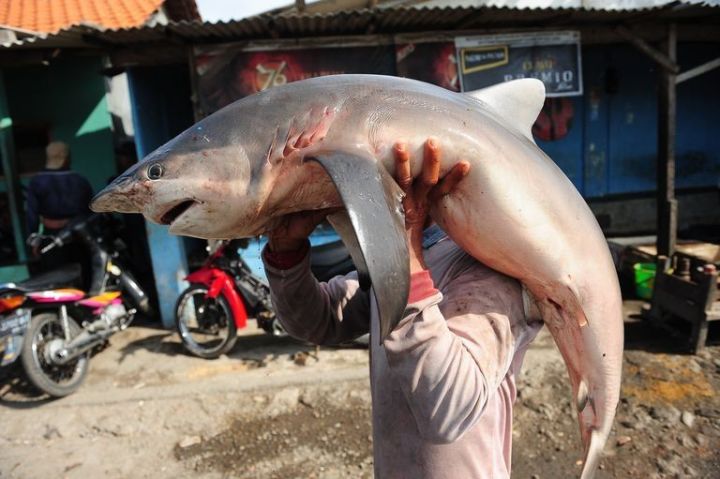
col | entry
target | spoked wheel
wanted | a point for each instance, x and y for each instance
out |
(44, 336)
(206, 325)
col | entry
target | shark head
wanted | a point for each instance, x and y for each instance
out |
(187, 184)
(231, 174)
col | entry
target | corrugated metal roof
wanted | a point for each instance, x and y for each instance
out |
(326, 6)
(604, 5)
(397, 19)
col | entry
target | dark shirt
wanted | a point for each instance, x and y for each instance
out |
(431, 235)
(57, 195)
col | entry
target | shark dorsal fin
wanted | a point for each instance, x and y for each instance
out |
(517, 102)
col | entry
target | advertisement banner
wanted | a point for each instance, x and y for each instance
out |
(431, 62)
(226, 73)
(552, 57)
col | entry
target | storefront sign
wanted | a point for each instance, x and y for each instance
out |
(552, 57)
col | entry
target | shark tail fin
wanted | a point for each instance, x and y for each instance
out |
(566, 320)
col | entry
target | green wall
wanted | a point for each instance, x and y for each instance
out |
(69, 95)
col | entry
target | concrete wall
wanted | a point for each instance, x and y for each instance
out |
(637, 215)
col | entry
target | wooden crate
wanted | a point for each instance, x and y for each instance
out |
(693, 298)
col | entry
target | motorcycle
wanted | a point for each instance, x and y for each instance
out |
(224, 290)
(53, 326)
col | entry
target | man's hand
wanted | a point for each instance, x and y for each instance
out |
(421, 192)
(34, 241)
(292, 230)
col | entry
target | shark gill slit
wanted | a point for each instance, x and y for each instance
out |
(271, 147)
(315, 130)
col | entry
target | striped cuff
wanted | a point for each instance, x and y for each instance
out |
(421, 286)
(286, 259)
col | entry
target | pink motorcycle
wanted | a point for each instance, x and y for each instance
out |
(52, 326)
(43, 328)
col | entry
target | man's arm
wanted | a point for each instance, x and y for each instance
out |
(338, 310)
(321, 313)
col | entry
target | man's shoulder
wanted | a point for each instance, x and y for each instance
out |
(40, 179)
(34, 181)
(77, 178)
(75, 174)
(452, 262)
(50, 174)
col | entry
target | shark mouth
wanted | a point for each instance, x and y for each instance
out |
(173, 213)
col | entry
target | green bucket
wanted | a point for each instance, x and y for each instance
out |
(644, 279)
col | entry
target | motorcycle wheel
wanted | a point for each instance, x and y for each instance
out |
(53, 379)
(206, 325)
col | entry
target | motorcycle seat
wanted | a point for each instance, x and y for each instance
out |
(66, 276)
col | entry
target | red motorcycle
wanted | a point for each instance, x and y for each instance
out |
(217, 302)
(224, 292)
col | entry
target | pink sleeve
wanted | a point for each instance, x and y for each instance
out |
(421, 286)
(285, 259)
(448, 362)
(320, 313)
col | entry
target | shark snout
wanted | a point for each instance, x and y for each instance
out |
(120, 196)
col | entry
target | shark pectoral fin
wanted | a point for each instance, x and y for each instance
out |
(376, 240)
(340, 221)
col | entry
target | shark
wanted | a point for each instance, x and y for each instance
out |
(326, 143)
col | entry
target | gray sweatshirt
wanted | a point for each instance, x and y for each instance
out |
(443, 382)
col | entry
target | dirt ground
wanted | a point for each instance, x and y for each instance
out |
(275, 408)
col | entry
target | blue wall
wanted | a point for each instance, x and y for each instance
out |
(160, 98)
(612, 144)
(698, 121)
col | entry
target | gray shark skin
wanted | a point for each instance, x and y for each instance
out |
(236, 172)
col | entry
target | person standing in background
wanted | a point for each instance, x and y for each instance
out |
(55, 196)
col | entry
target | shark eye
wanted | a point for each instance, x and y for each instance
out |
(155, 171)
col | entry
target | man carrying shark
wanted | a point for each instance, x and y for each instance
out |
(443, 381)
(442, 363)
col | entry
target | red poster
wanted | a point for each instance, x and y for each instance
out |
(225, 74)
(432, 62)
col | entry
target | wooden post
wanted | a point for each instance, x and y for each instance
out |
(666, 202)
